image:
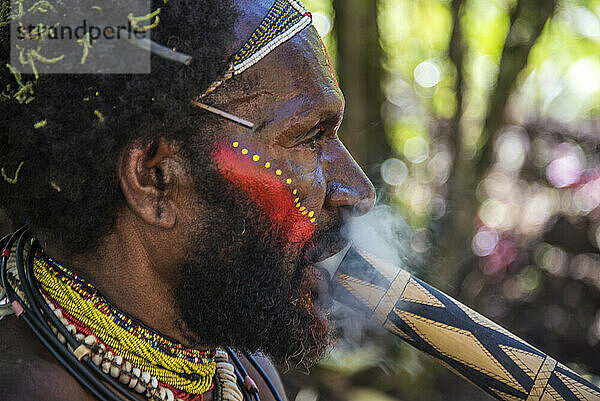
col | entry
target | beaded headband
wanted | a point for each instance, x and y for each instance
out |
(284, 20)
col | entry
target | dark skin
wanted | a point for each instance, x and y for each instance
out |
(293, 99)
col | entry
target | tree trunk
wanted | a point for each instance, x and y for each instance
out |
(468, 172)
(533, 14)
(359, 67)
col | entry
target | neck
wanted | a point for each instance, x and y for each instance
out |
(127, 272)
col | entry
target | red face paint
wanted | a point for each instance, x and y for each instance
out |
(267, 190)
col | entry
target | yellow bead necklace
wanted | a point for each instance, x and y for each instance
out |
(123, 347)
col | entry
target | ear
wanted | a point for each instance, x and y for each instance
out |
(149, 174)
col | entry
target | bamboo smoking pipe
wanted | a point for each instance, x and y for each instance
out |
(466, 342)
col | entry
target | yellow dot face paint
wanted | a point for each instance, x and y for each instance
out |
(256, 157)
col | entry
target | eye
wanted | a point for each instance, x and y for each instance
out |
(313, 142)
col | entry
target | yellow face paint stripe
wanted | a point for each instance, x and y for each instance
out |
(288, 181)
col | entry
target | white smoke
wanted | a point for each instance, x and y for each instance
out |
(383, 233)
(380, 232)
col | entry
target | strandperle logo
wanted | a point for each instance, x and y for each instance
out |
(79, 32)
(81, 37)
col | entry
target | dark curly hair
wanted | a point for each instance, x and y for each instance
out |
(59, 152)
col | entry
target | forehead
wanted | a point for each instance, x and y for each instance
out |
(296, 74)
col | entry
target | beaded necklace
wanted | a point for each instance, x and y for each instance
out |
(121, 341)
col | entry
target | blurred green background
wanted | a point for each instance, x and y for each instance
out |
(478, 122)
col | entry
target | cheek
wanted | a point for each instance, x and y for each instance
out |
(257, 179)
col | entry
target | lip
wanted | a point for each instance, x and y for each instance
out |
(323, 272)
(329, 244)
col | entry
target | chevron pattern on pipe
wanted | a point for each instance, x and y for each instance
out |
(466, 342)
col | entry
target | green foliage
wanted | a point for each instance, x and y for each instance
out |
(566, 58)
(4, 13)
(423, 34)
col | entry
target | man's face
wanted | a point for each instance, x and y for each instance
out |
(272, 200)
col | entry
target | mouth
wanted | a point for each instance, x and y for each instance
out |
(320, 256)
(320, 271)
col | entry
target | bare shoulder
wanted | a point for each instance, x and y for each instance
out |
(28, 371)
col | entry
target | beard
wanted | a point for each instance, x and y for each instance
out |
(243, 286)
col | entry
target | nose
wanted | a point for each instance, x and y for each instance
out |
(348, 188)
(354, 201)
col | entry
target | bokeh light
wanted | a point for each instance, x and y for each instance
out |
(427, 74)
(485, 241)
(584, 76)
(394, 171)
(322, 23)
(494, 213)
(567, 166)
(552, 259)
(416, 150)
(512, 148)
